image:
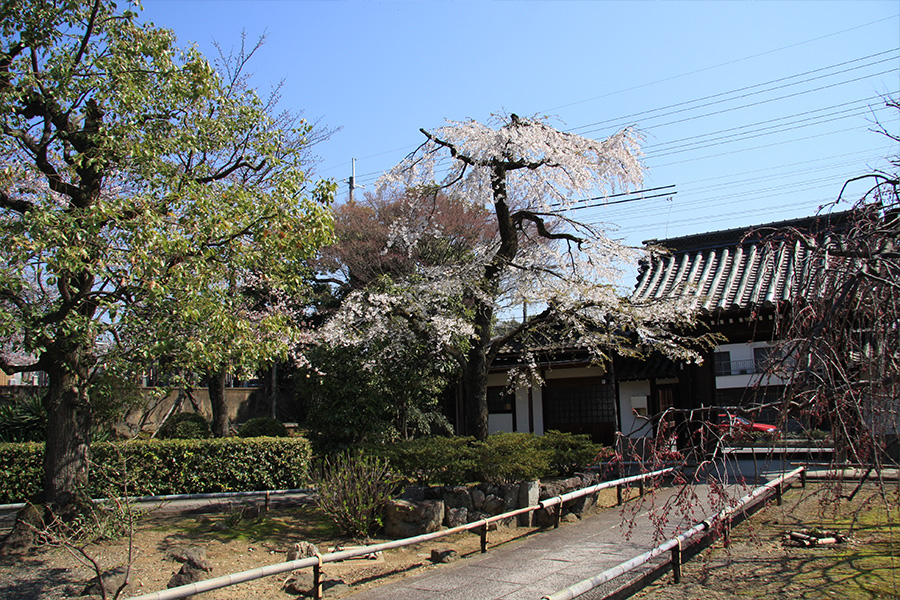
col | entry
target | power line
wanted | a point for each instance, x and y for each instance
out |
(768, 100)
(774, 130)
(720, 154)
(854, 103)
(629, 118)
(724, 64)
(369, 177)
(877, 152)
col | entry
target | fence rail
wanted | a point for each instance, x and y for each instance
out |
(675, 545)
(316, 562)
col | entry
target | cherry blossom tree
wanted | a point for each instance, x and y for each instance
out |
(390, 386)
(527, 174)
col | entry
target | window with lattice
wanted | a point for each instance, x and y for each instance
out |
(580, 403)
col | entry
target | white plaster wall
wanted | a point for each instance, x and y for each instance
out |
(537, 397)
(633, 426)
(522, 409)
(504, 422)
(500, 423)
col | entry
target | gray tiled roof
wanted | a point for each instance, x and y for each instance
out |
(734, 269)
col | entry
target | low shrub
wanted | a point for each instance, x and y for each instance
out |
(185, 426)
(23, 420)
(569, 452)
(175, 466)
(512, 457)
(263, 427)
(438, 460)
(353, 490)
(502, 458)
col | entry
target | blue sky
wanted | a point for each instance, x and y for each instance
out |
(753, 111)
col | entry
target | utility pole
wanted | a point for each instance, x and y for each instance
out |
(352, 180)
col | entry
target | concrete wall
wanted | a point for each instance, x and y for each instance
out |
(241, 404)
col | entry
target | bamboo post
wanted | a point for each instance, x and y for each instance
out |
(484, 530)
(317, 582)
(676, 562)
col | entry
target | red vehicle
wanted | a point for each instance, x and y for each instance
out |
(735, 424)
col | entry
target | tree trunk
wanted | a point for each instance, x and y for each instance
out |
(216, 382)
(475, 376)
(67, 453)
(475, 390)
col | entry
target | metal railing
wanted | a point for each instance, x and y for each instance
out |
(739, 367)
(316, 562)
(675, 545)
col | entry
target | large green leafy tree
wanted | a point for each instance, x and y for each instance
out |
(136, 183)
(243, 318)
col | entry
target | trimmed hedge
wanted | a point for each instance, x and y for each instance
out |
(503, 458)
(571, 452)
(155, 467)
(21, 470)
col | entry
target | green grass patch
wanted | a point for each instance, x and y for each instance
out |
(302, 523)
(864, 568)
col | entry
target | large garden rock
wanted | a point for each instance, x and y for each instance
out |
(191, 555)
(415, 493)
(25, 532)
(458, 497)
(195, 566)
(477, 498)
(454, 517)
(529, 495)
(545, 517)
(552, 489)
(187, 574)
(443, 555)
(302, 550)
(510, 494)
(300, 583)
(111, 581)
(493, 505)
(404, 518)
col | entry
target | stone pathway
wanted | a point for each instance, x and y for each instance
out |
(539, 565)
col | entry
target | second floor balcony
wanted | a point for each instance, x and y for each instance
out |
(739, 367)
